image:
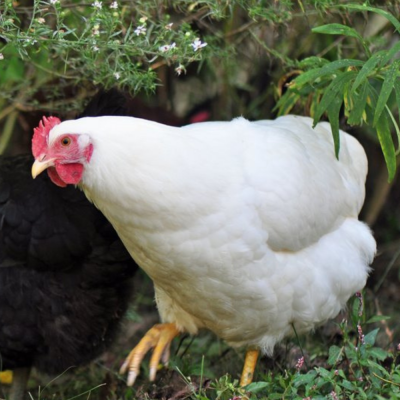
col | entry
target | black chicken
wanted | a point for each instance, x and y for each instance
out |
(65, 277)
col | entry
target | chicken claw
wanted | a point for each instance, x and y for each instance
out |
(6, 377)
(250, 363)
(158, 337)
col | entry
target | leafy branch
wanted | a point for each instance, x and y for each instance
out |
(105, 43)
(368, 90)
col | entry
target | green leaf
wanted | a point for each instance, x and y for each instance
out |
(333, 116)
(337, 29)
(12, 68)
(389, 54)
(367, 68)
(347, 385)
(330, 68)
(304, 379)
(325, 373)
(386, 89)
(377, 367)
(255, 387)
(355, 310)
(334, 90)
(397, 92)
(378, 318)
(386, 142)
(275, 396)
(370, 337)
(335, 355)
(379, 11)
(378, 353)
(313, 61)
(287, 102)
(359, 104)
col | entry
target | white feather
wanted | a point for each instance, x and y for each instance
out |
(245, 227)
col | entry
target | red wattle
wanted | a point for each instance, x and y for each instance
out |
(55, 178)
(66, 174)
(71, 174)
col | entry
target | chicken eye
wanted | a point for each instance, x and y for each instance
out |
(66, 141)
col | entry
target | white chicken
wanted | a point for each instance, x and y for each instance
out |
(249, 229)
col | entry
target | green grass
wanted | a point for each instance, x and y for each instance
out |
(339, 363)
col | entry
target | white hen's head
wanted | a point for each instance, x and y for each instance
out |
(62, 153)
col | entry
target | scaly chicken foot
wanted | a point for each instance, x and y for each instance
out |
(159, 338)
(249, 367)
(6, 377)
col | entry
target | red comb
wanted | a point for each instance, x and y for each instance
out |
(41, 135)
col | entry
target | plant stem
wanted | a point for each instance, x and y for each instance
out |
(8, 130)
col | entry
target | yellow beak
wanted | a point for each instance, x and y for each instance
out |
(39, 166)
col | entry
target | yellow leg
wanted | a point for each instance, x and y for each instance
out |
(159, 338)
(249, 367)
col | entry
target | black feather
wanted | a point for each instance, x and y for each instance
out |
(111, 102)
(65, 277)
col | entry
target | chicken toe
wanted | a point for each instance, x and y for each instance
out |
(159, 338)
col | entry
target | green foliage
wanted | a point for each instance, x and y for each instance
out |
(364, 87)
(106, 43)
(58, 44)
(356, 369)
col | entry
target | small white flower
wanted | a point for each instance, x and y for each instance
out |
(198, 44)
(1, 56)
(114, 5)
(140, 30)
(95, 48)
(54, 1)
(179, 69)
(169, 26)
(41, 20)
(95, 30)
(97, 4)
(167, 47)
(117, 75)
